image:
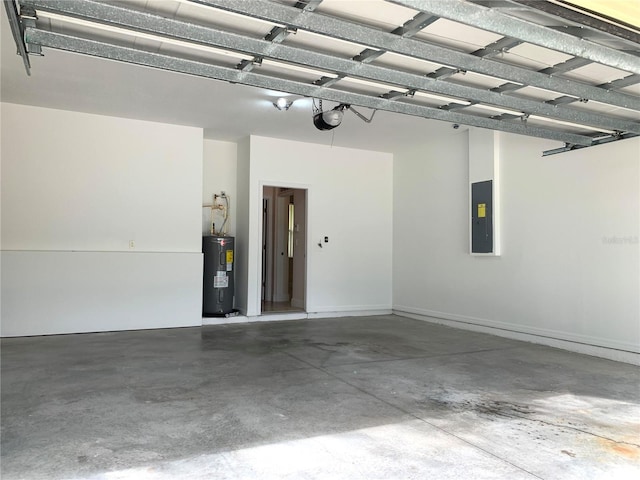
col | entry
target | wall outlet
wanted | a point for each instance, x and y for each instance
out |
(132, 244)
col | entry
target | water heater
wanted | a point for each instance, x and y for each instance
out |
(218, 279)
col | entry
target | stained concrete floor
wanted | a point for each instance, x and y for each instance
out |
(345, 398)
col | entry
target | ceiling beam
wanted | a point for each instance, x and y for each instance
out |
(248, 65)
(562, 100)
(614, 28)
(407, 29)
(563, 67)
(150, 23)
(596, 141)
(368, 55)
(354, 32)
(444, 72)
(496, 48)
(507, 87)
(621, 82)
(498, 22)
(413, 26)
(16, 30)
(192, 67)
(278, 34)
(308, 5)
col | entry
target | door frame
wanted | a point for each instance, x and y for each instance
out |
(307, 244)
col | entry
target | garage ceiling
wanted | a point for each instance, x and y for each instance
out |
(539, 68)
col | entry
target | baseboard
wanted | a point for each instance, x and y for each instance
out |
(618, 351)
(350, 308)
(225, 320)
(272, 317)
(277, 317)
(351, 313)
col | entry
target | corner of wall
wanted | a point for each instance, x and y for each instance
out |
(242, 223)
(571, 241)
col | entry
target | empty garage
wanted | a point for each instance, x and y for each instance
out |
(424, 218)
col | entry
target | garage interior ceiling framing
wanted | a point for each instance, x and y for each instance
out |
(533, 68)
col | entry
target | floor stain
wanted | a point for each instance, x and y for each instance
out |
(566, 452)
(482, 407)
(498, 408)
(631, 452)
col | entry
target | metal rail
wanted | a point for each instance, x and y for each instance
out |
(17, 32)
(181, 65)
(374, 38)
(102, 12)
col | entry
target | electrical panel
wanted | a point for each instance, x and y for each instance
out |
(482, 217)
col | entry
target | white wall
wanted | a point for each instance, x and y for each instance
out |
(74, 183)
(46, 292)
(77, 188)
(484, 164)
(560, 274)
(219, 171)
(349, 200)
(242, 260)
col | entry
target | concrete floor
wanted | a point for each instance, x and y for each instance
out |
(346, 398)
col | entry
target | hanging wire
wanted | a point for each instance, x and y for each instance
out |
(223, 228)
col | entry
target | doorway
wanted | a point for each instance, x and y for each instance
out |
(284, 244)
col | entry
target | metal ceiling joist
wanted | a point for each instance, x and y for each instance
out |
(414, 25)
(597, 141)
(354, 32)
(150, 23)
(507, 87)
(495, 21)
(571, 64)
(308, 5)
(443, 73)
(589, 19)
(498, 47)
(277, 35)
(191, 67)
(368, 55)
(622, 82)
(408, 29)
(562, 100)
(16, 31)
(247, 65)
(458, 106)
